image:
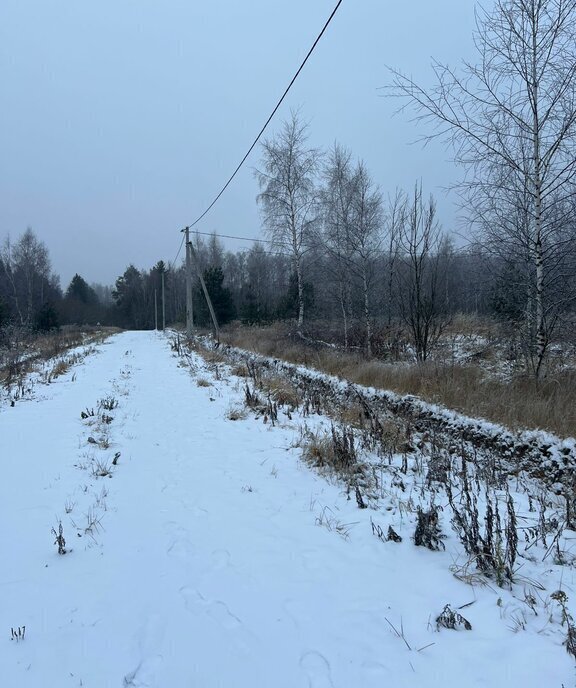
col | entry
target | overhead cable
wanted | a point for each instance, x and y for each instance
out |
(278, 104)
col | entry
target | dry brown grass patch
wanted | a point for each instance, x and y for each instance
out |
(352, 415)
(211, 355)
(282, 392)
(237, 413)
(60, 368)
(318, 450)
(240, 370)
(522, 403)
(27, 351)
(472, 326)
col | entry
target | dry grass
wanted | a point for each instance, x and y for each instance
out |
(318, 450)
(466, 325)
(237, 413)
(523, 402)
(282, 392)
(60, 368)
(352, 415)
(25, 350)
(239, 370)
(203, 382)
(212, 356)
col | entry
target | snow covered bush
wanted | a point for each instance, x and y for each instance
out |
(452, 619)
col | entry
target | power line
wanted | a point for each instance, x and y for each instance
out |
(230, 236)
(177, 254)
(278, 104)
(241, 238)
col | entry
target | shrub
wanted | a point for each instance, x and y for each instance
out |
(60, 541)
(428, 533)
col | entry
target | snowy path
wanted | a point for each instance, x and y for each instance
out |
(209, 569)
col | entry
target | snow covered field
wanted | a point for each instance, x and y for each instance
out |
(209, 555)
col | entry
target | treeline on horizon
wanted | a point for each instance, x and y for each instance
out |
(368, 268)
(256, 286)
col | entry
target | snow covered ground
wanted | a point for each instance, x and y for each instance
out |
(209, 555)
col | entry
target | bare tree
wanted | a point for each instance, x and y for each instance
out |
(505, 225)
(288, 194)
(352, 218)
(365, 238)
(337, 207)
(422, 306)
(9, 270)
(394, 217)
(512, 119)
(26, 266)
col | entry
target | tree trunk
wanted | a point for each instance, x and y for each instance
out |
(300, 294)
(537, 245)
(367, 314)
(343, 307)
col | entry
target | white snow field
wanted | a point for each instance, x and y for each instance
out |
(209, 555)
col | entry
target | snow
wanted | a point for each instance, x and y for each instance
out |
(531, 449)
(217, 558)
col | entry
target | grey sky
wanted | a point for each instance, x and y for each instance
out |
(121, 119)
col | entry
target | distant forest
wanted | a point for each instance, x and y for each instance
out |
(259, 286)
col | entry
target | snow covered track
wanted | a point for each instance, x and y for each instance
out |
(197, 560)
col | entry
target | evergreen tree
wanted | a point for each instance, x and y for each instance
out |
(47, 318)
(220, 296)
(79, 290)
(129, 297)
(251, 312)
(3, 313)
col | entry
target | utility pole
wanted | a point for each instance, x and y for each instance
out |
(155, 311)
(189, 306)
(163, 305)
(206, 295)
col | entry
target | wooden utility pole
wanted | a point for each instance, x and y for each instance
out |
(163, 304)
(206, 295)
(189, 306)
(155, 311)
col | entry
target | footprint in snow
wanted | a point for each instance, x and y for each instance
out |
(198, 511)
(149, 639)
(144, 676)
(217, 610)
(194, 601)
(376, 670)
(317, 670)
(222, 615)
(220, 559)
(181, 549)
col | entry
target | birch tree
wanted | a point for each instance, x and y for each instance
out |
(337, 209)
(511, 119)
(26, 265)
(394, 218)
(288, 194)
(365, 239)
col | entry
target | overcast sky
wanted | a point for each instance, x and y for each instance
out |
(121, 119)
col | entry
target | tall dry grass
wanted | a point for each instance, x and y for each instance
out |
(22, 350)
(521, 403)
